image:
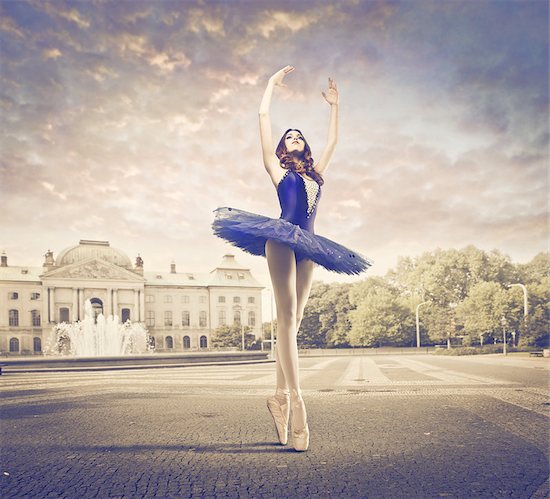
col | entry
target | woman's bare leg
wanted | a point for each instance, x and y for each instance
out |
(304, 278)
(282, 269)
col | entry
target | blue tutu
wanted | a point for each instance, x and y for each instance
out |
(298, 197)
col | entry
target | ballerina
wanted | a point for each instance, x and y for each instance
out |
(291, 247)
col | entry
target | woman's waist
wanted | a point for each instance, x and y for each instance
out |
(305, 223)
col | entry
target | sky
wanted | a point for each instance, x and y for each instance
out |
(131, 121)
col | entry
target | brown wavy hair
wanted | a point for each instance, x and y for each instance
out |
(300, 162)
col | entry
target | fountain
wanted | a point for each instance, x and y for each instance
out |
(99, 337)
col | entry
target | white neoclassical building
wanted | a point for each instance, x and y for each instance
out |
(179, 309)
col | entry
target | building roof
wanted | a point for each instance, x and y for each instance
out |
(229, 262)
(87, 249)
(26, 274)
(241, 276)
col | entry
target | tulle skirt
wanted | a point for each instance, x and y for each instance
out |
(250, 232)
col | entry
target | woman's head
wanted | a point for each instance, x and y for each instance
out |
(293, 143)
(294, 153)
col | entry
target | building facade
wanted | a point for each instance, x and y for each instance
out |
(180, 310)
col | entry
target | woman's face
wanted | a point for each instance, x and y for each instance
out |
(294, 141)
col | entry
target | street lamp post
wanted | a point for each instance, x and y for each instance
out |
(418, 323)
(503, 322)
(525, 304)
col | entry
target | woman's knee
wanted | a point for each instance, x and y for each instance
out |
(286, 317)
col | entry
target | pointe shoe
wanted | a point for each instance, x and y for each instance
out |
(281, 414)
(300, 438)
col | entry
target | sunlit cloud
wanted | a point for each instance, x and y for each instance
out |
(74, 16)
(132, 121)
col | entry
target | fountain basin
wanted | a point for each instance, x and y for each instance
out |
(145, 361)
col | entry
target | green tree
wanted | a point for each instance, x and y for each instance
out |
(536, 330)
(380, 316)
(535, 275)
(441, 323)
(231, 336)
(446, 276)
(484, 310)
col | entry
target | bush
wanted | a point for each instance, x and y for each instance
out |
(476, 350)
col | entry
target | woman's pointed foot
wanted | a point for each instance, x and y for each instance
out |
(280, 413)
(300, 439)
(300, 428)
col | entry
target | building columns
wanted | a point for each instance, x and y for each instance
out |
(109, 303)
(74, 311)
(136, 304)
(142, 305)
(80, 304)
(51, 299)
(115, 301)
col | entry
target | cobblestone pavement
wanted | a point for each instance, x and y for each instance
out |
(390, 426)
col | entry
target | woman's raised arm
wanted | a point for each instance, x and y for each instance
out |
(268, 153)
(331, 96)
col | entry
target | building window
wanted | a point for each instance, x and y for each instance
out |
(204, 342)
(13, 296)
(35, 317)
(167, 317)
(241, 275)
(221, 299)
(202, 299)
(185, 299)
(251, 299)
(236, 299)
(186, 342)
(228, 276)
(14, 319)
(237, 318)
(125, 315)
(64, 314)
(150, 318)
(221, 318)
(37, 344)
(167, 299)
(251, 318)
(149, 299)
(97, 307)
(202, 318)
(35, 296)
(14, 345)
(169, 342)
(185, 318)
(152, 340)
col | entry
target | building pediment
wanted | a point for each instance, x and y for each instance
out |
(93, 269)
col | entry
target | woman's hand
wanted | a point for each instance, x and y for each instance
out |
(278, 77)
(331, 95)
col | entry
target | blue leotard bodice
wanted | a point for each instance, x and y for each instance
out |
(298, 198)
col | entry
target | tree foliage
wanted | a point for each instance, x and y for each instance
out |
(468, 291)
(380, 316)
(231, 336)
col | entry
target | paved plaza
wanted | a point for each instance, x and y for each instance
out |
(381, 426)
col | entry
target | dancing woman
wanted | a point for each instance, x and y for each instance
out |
(291, 247)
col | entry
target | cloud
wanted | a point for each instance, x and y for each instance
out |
(139, 124)
(74, 16)
(9, 26)
(51, 53)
